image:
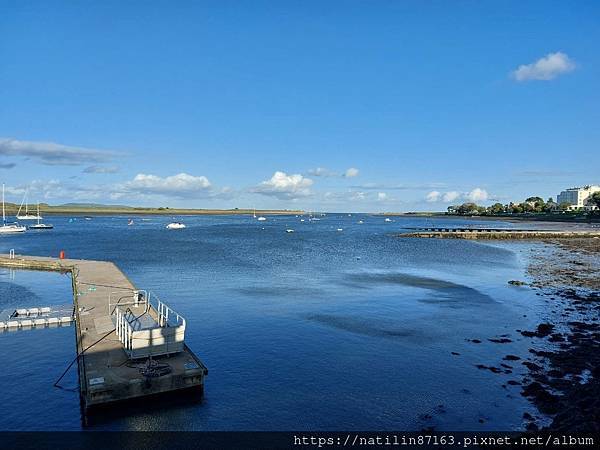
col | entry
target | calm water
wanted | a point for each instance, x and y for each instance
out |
(318, 329)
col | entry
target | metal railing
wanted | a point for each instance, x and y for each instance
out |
(139, 340)
(134, 298)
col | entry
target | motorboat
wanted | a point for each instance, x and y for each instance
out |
(289, 230)
(175, 226)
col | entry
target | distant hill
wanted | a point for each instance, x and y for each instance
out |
(92, 205)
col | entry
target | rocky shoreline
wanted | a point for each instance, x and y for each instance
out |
(564, 382)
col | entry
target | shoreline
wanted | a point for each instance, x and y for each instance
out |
(563, 377)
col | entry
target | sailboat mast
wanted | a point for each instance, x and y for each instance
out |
(3, 212)
(38, 212)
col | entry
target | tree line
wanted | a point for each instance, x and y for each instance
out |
(532, 205)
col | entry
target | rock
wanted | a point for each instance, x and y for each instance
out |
(517, 283)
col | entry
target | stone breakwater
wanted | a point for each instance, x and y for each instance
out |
(488, 234)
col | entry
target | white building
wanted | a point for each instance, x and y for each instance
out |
(577, 197)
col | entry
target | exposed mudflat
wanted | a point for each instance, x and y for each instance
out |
(563, 378)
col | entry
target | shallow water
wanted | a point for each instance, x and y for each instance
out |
(317, 329)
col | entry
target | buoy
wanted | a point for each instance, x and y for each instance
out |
(61, 255)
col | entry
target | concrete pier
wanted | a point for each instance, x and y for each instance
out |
(106, 374)
(497, 233)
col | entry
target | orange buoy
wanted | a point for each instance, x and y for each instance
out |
(62, 254)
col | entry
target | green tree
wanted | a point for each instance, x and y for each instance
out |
(594, 200)
(497, 208)
(467, 208)
(535, 200)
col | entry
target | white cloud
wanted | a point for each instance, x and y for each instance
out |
(351, 172)
(546, 68)
(284, 186)
(382, 196)
(101, 169)
(450, 196)
(433, 196)
(180, 185)
(477, 195)
(53, 154)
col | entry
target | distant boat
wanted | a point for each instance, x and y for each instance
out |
(175, 226)
(130, 222)
(87, 218)
(26, 216)
(387, 219)
(261, 219)
(301, 220)
(340, 229)
(289, 230)
(11, 227)
(360, 221)
(39, 225)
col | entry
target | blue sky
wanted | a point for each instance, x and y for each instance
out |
(321, 105)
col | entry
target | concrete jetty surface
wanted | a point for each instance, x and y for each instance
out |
(106, 374)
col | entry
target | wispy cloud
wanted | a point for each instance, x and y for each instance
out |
(285, 187)
(101, 169)
(547, 68)
(351, 172)
(7, 165)
(322, 172)
(398, 187)
(53, 154)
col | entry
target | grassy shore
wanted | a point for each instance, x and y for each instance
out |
(72, 210)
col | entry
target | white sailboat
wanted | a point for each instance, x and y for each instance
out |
(26, 216)
(40, 225)
(11, 227)
(260, 219)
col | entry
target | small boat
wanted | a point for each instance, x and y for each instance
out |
(175, 226)
(39, 225)
(261, 219)
(387, 219)
(130, 222)
(340, 229)
(301, 220)
(360, 221)
(289, 230)
(87, 218)
(10, 227)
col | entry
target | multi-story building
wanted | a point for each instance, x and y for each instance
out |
(577, 197)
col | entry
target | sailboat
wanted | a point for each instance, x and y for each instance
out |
(260, 219)
(39, 225)
(12, 227)
(26, 216)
